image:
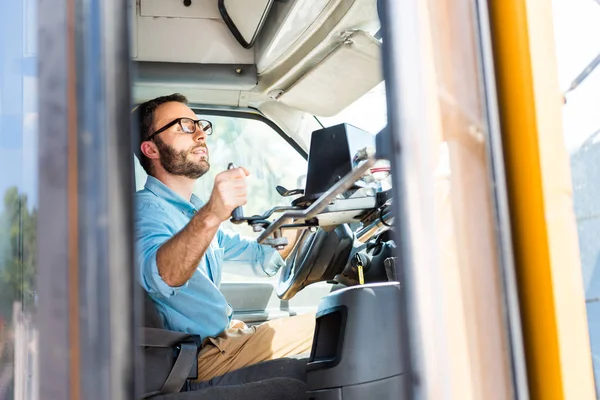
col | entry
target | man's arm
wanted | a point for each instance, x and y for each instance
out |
(243, 251)
(178, 257)
(292, 236)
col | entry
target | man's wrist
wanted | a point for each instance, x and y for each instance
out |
(208, 218)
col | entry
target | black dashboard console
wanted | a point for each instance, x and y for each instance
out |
(358, 349)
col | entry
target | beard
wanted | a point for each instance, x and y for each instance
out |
(177, 162)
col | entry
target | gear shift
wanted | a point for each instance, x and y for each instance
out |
(237, 215)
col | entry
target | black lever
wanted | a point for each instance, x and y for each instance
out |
(237, 215)
(285, 193)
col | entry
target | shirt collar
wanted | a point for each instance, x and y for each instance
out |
(163, 191)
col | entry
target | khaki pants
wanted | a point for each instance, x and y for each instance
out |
(240, 345)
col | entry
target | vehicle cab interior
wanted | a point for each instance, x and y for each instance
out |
(275, 79)
(434, 160)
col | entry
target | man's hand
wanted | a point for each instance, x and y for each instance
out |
(229, 192)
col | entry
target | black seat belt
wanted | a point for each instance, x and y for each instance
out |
(186, 364)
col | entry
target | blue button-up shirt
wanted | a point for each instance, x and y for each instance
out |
(197, 307)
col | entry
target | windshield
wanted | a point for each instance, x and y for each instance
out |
(368, 113)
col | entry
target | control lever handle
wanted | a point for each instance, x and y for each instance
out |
(391, 269)
(237, 215)
(283, 192)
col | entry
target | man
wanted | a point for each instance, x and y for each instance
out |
(181, 248)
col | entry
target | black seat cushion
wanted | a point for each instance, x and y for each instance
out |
(294, 368)
(268, 389)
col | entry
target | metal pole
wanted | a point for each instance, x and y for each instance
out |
(86, 189)
(408, 66)
(106, 192)
(121, 186)
(52, 231)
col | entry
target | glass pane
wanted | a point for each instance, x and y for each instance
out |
(368, 113)
(257, 147)
(254, 145)
(18, 200)
(576, 27)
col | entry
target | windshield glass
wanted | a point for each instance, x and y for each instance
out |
(368, 113)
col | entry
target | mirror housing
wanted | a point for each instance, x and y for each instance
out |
(245, 18)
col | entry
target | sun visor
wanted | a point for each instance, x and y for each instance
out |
(348, 72)
(184, 32)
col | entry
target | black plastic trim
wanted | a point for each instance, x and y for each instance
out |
(235, 31)
(313, 364)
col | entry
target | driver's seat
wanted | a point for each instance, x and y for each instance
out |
(170, 366)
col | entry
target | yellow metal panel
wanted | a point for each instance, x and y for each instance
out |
(544, 232)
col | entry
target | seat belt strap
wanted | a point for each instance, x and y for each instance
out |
(155, 337)
(180, 372)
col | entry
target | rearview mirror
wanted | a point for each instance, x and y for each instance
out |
(245, 18)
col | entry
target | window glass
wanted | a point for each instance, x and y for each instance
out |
(576, 23)
(254, 145)
(18, 200)
(368, 113)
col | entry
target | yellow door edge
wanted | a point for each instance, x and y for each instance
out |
(544, 231)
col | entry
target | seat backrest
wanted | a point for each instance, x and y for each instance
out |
(169, 357)
(152, 317)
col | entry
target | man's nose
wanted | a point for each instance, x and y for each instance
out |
(199, 135)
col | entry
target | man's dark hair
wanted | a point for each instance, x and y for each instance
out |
(144, 117)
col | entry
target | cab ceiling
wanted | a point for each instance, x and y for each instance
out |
(316, 56)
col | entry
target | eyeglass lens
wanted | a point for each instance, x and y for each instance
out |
(188, 126)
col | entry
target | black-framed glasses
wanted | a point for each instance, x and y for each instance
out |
(187, 125)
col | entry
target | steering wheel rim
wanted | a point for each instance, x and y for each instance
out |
(317, 256)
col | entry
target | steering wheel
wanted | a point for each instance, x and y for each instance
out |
(318, 256)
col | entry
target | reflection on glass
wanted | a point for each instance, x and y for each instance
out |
(575, 23)
(18, 201)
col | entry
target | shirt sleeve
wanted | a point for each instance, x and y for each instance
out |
(240, 251)
(151, 231)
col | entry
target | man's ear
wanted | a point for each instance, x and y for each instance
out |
(150, 150)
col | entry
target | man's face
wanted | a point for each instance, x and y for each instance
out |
(180, 153)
